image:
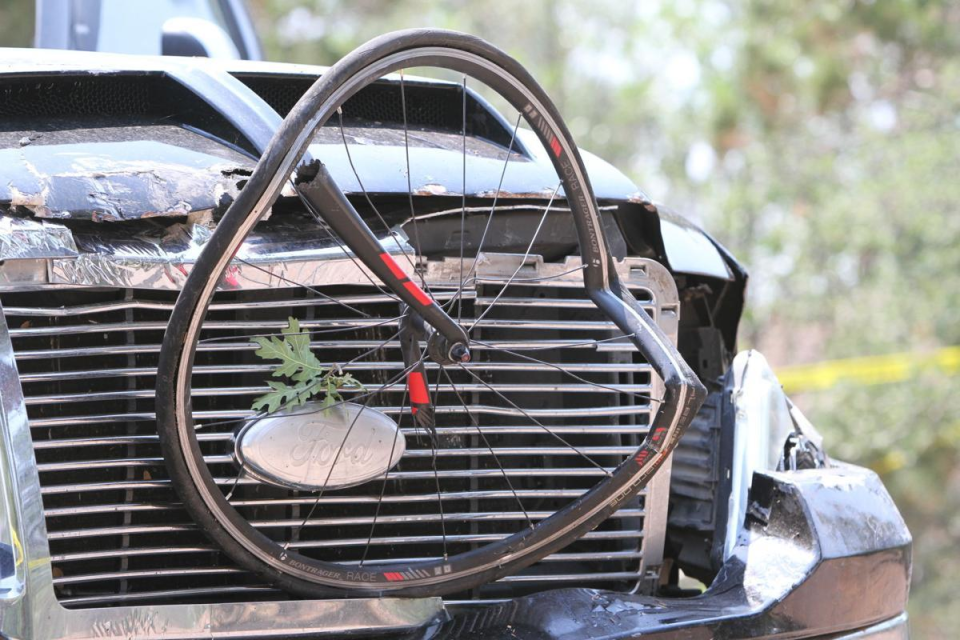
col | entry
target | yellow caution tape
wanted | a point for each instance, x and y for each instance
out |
(894, 367)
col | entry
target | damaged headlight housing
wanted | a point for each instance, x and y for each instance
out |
(766, 425)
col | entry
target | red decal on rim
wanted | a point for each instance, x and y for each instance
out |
(642, 456)
(555, 147)
(395, 269)
(393, 577)
(418, 293)
(658, 434)
(418, 388)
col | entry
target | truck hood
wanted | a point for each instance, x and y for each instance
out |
(111, 138)
(156, 150)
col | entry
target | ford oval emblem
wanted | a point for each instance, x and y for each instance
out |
(298, 448)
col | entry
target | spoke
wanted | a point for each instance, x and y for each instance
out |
(383, 487)
(496, 196)
(366, 195)
(533, 420)
(523, 260)
(436, 476)
(295, 534)
(463, 200)
(307, 287)
(236, 482)
(493, 206)
(386, 475)
(336, 458)
(406, 151)
(293, 282)
(552, 365)
(581, 344)
(486, 442)
(323, 225)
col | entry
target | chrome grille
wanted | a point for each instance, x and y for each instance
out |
(87, 361)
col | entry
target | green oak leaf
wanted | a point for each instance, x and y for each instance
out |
(306, 374)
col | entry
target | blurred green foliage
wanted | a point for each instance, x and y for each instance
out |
(819, 140)
(16, 23)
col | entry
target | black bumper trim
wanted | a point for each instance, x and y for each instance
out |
(823, 552)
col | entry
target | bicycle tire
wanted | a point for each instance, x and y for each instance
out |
(305, 576)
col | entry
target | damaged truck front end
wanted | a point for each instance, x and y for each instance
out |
(115, 172)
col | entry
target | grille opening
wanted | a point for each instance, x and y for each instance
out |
(117, 532)
(46, 103)
(430, 106)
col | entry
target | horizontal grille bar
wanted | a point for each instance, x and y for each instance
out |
(414, 453)
(467, 387)
(154, 573)
(353, 323)
(330, 522)
(69, 443)
(229, 347)
(126, 485)
(126, 305)
(450, 409)
(323, 500)
(350, 300)
(258, 590)
(573, 577)
(342, 542)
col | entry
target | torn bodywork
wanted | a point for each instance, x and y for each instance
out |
(112, 174)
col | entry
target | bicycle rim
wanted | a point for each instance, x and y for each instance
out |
(280, 549)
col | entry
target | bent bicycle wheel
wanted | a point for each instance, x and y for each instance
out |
(398, 357)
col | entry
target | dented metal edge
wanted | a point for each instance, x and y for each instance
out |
(278, 267)
(24, 238)
(160, 255)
